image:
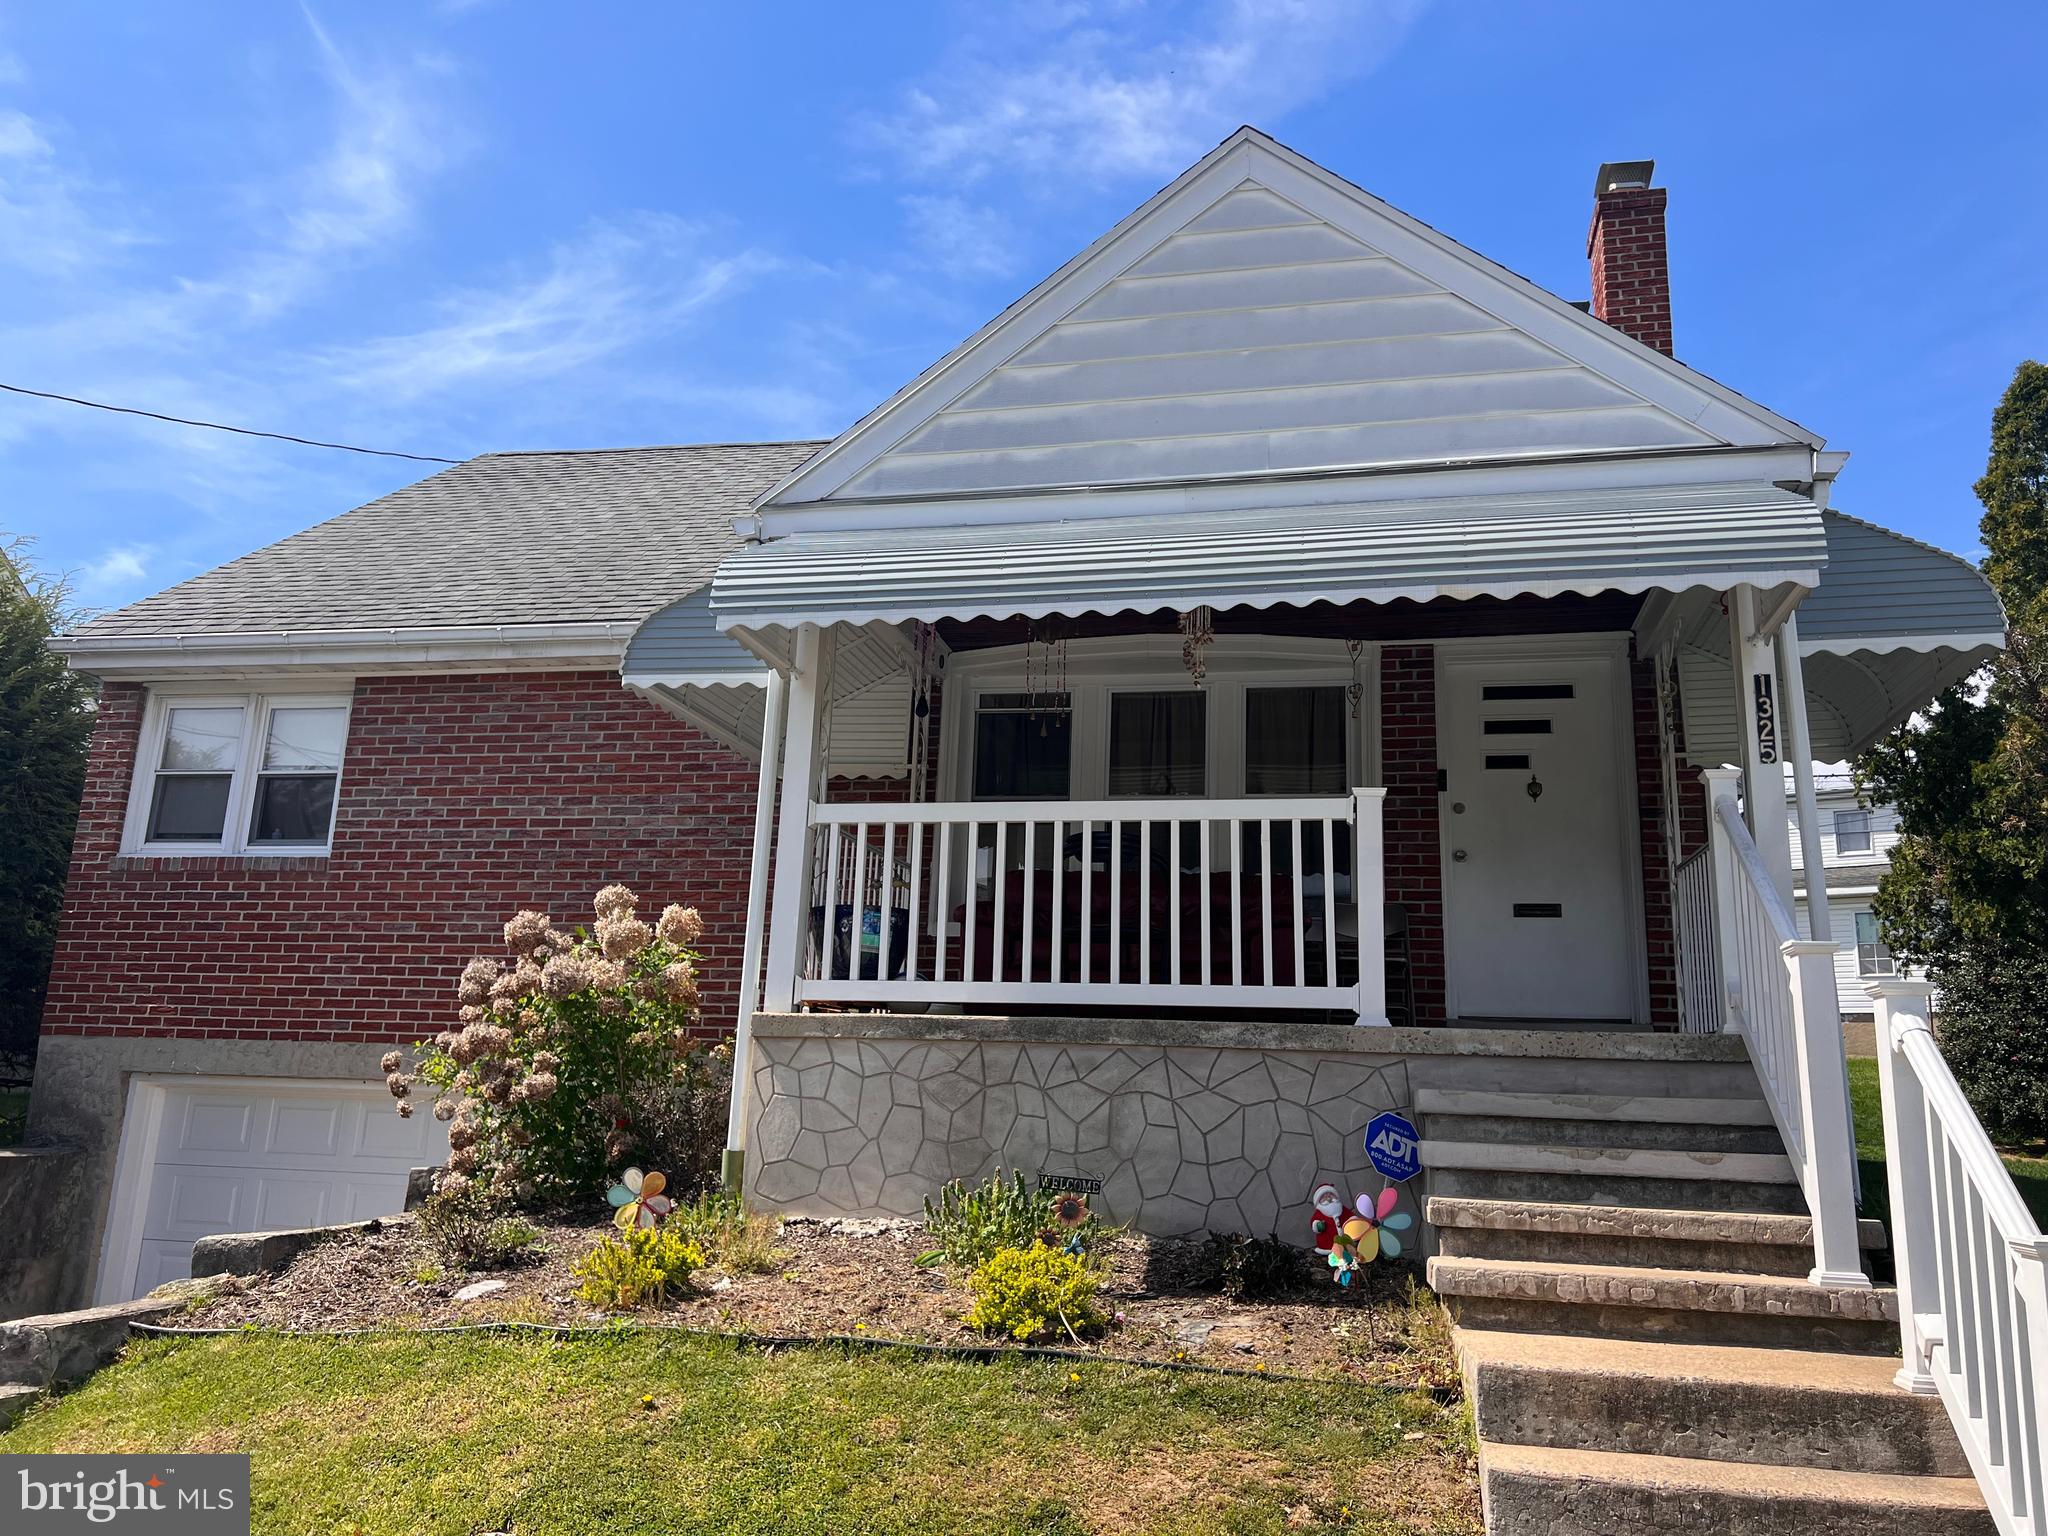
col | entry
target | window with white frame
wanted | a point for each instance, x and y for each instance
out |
(237, 773)
(1158, 744)
(1295, 741)
(1852, 831)
(1872, 958)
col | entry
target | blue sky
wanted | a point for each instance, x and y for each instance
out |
(454, 228)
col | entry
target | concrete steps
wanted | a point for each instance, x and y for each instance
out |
(1779, 1407)
(1737, 1241)
(1626, 1263)
(1645, 1302)
(1541, 1491)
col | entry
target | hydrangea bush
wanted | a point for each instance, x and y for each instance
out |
(574, 1056)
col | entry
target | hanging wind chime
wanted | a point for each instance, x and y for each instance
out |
(1197, 634)
(1354, 694)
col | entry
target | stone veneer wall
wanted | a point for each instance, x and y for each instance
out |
(1186, 1135)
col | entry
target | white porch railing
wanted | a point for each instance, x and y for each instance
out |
(1777, 991)
(1972, 1267)
(1265, 902)
(1699, 976)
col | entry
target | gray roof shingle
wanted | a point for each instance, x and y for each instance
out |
(506, 538)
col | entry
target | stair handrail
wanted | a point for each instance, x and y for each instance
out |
(1972, 1265)
(1782, 1000)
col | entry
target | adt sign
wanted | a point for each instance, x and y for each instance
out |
(1393, 1146)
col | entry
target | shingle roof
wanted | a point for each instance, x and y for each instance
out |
(505, 538)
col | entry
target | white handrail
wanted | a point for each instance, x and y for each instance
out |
(1249, 902)
(1972, 1266)
(1782, 999)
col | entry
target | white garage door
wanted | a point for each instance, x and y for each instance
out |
(255, 1158)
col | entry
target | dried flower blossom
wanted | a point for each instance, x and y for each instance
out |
(477, 977)
(470, 1013)
(405, 1109)
(623, 936)
(616, 901)
(464, 1160)
(680, 926)
(565, 975)
(680, 978)
(527, 930)
(546, 1061)
(607, 975)
(399, 1084)
(444, 1109)
(392, 1061)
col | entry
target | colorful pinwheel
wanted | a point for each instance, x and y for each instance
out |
(1356, 1240)
(1382, 1221)
(640, 1199)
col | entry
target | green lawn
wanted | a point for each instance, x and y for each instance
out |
(469, 1433)
(13, 1115)
(2029, 1173)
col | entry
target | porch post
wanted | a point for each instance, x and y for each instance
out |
(1719, 784)
(733, 1167)
(1824, 1111)
(1759, 725)
(1901, 1007)
(788, 925)
(1799, 741)
(1369, 890)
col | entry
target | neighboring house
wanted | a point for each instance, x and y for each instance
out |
(1281, 616)
(1856, 842)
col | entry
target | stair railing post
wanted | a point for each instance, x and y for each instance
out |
(1369, 892)
(1824, 1111)
(1901, 1005)
(1718, 784)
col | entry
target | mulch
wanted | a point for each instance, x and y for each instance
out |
(841, 1278)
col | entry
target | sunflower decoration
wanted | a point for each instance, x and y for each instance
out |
(640, 1199)
(1070, 1213)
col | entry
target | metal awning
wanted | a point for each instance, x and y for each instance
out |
(1537, 545)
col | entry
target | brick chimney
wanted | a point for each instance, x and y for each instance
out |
(1631, 276)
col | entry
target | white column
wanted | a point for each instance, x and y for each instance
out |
(1369, 890)
(1901, 1006)
(1799, 742)
(1824, 1112)
(789, 917)
(772, 712)
(1719, 784)
(1759, 727)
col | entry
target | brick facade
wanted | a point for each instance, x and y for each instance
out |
(1631, 267)
(462, 799)
(1408, 768)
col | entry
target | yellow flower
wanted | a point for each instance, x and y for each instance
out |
(1073, 1375)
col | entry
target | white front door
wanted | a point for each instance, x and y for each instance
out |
(242, 1157)
(1537, 900)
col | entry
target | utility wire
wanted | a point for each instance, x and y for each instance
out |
(216, 426)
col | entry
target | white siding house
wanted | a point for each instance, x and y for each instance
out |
(1856, 842)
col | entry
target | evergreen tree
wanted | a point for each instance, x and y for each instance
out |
(46, 715)
(1967, 895)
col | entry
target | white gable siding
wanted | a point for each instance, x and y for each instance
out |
(1842, 927)
(1260, 337)
(1884, 836)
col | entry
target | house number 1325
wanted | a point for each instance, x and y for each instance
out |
(1766, 720)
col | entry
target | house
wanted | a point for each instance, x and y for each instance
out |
(1281, 619)
(1856, 842)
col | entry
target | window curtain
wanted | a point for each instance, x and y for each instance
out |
(1158, 744)
(1294, 741)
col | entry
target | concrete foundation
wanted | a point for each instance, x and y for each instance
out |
(1189, 1125)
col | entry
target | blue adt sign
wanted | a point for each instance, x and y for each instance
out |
(1393, 1146)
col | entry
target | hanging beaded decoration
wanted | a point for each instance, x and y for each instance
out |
(1197, 633)
(1355, 693)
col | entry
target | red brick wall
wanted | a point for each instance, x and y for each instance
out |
(462, 800)
(1659, 926)
(1631, 270)
(1414, 850)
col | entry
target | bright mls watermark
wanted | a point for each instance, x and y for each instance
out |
(163, 1495)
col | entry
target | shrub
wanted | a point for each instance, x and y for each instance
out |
(636, 1269)
(1253, 1268)
(1993, 1028)
(968, 1226)
(733, 1239)
(467, 1228)
(575, 1057)
(1024, 1291)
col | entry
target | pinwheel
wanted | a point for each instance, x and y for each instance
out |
(1382, 1222)
(640, 1199)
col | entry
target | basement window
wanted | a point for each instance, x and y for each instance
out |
(237, 773)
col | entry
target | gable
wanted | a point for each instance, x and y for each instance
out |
(1261, 317)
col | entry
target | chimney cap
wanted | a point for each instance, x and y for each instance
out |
(1616, 175)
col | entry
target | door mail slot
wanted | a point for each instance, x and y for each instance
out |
(1539, 909)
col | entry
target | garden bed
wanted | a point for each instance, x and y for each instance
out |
(864, 1280)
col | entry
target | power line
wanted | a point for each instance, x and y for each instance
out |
(217, 426)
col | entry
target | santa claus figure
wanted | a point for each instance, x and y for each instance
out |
(1328, 1222)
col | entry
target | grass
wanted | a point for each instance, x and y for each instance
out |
(638, 1432)
(2029, 1173)
(13, 1115)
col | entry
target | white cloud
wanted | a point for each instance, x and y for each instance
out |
(123, 567)
(47, 226)
(618, 284)
(1100, 100)
(962, 238)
